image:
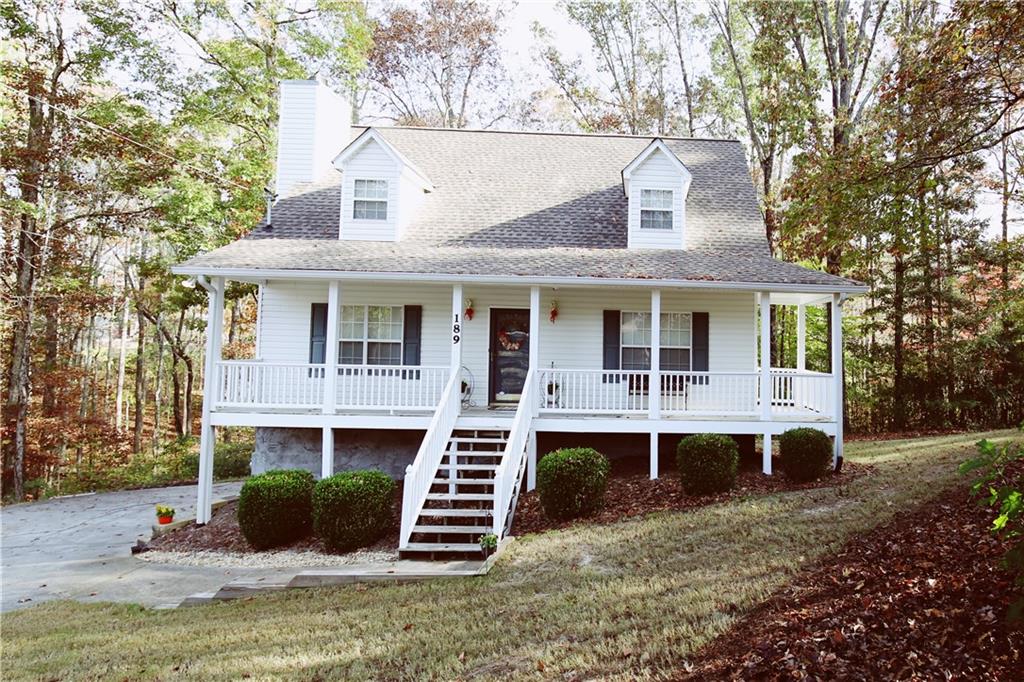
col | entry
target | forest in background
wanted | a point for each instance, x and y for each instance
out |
(136, 135)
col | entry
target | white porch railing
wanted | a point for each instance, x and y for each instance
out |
(799, 393)
(684, 394)
(420, 474)
(397, 387)
(510, 472)
(245, 383)
(593, 391)
(254, 384)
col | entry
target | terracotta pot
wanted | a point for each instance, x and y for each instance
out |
(164, 520)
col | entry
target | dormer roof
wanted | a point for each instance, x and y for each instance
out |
(373, 135)
(656, 146)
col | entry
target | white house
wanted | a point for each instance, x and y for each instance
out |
(433, 302)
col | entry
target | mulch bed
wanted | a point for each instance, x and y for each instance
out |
(920, 598)
(222, 534)
(630, 492)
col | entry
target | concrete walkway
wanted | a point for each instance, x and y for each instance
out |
(80, 548)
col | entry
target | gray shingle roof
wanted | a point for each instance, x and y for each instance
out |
(557, 262)
(509, 203)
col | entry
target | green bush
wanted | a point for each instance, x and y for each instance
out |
(707, 463)
(275, 508)
(571, 482)
(804, 453)
(353, 509)
(231, 460)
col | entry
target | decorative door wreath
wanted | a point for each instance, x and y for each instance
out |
(507, 342)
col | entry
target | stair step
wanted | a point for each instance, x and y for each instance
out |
(464, 481)
(469, 467)
(441, 547)
(463, 497)
(474, 439)
(428, 512)
(452, 529)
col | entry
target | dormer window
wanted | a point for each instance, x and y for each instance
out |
(655, 209)
(370, 200)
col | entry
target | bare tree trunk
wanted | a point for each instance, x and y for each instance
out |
(158, 388)
(123, 333)
(140, 359)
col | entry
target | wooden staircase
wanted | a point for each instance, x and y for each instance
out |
(459, 507)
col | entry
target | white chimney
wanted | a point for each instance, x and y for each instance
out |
(314, 124)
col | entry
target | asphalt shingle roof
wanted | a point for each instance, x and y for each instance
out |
(508, 203)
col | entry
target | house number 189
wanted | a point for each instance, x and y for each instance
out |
(456, 331)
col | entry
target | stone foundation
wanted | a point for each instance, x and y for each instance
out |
(389, 451)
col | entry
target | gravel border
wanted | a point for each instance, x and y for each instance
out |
(284, 558)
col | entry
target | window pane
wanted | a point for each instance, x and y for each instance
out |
(656, 198)
(636, 329)
(385, 323)
(675, 329)
(383, 353)
(352, 322)
(675, 359)
(369, 210)
(371, 189)
(351, 352)
(636, 358)
(655, 220)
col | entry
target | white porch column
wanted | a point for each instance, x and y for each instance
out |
(766, 355)
(214, 340)
(331, 351)
(327, 454)
(837, 373)
(654, 390)
(766, 455)
(531, 461)
(654, 455)
(456, 362)
(801, 337)
(535, 342)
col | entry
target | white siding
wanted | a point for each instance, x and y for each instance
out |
(656, 172)
(371, 162)
(574, 341)
(313, 127)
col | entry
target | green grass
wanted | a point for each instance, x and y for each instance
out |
(627, 600)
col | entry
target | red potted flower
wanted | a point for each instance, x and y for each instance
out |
(164, 515)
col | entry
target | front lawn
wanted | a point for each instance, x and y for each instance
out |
(633, 598)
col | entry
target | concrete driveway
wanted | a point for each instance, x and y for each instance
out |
(80, 548)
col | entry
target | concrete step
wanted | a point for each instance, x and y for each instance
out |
(474, 439)
(452, 529)
(460, 497)
(441, 547)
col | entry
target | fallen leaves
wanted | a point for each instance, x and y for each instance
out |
(921, 598)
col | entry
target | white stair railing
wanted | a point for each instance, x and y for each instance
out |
(420, 474)
(509, 473)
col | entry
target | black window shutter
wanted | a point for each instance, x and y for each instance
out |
(412, 331)
(699, 330)
(612, 321)
(318, 333)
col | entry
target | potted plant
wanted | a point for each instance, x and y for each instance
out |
(465, 390)
(164, 514)
(488, 543)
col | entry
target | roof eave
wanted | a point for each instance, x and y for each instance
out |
(258, 274)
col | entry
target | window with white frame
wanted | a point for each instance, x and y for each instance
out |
(371, 335)
(656, 209)
(675, 341)
(370, 200)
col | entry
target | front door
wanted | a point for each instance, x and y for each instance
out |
(510, 353)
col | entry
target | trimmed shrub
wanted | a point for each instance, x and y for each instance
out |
(804, 453)
(571, 482)
(275, 508)
(353, 509)
(707, 463)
